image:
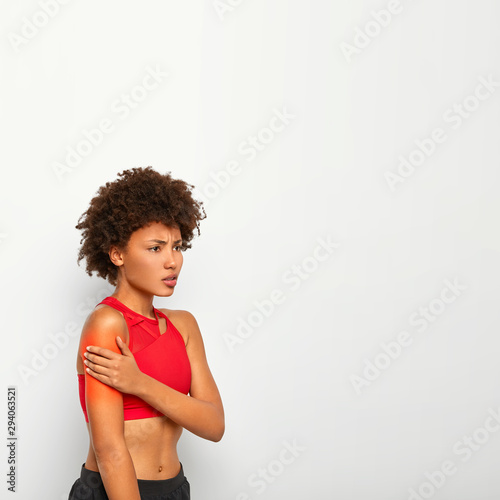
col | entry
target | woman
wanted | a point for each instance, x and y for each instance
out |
(136, 364)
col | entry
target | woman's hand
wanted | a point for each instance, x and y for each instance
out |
(119, 371)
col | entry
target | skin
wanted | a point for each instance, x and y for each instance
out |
(123, 451)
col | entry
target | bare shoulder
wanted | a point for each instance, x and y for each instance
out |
(184, 322)
(105, 319)
(100, 328)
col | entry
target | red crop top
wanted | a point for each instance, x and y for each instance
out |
(161, 356)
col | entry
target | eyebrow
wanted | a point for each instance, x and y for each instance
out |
(161, 242)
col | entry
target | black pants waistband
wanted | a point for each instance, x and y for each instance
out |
(146, 486)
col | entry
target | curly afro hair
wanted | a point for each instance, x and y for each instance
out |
(141, 196)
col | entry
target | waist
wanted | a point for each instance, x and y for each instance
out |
(151, 442)
(146, 486)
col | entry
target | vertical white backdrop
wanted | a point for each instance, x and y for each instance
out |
(346, 277)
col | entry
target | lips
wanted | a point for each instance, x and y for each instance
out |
(170, 281)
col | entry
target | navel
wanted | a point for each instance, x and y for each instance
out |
(160, 468)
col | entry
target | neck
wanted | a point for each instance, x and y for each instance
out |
(138, 301)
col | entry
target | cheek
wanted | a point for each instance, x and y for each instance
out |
(139, 267)
(149, 265)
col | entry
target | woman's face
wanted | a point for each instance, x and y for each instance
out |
(153, 254)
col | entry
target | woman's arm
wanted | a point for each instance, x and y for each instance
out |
(201, 413)
(105, 411)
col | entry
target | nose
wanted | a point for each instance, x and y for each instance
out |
(169, 260)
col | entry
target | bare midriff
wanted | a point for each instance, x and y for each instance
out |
(152, 443)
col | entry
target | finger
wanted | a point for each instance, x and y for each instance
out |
(103, 352)
(96, 368)
(98, 376)
(98, 360)
(102, 360)
(123, 347)
(93, 373)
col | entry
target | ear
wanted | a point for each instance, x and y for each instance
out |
(116, 255)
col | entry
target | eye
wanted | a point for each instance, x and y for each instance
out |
(153, 249)
(179, 247)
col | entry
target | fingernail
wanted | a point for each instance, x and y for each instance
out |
(85, 354)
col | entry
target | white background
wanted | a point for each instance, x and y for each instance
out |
(355, 110)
